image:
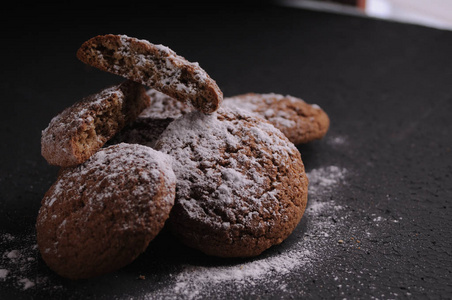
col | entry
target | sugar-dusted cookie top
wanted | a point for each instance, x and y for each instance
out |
(241, 184)
(156, 66)
(100, 215)
(299, 121)
(83, 128)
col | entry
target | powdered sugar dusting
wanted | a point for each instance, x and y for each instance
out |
(238, 177)
(261, 104)
(168, 71)
(193, 280)
(163, 106)
(304, 253)
(75, 134)
(98, 180)
(110, 163)
(18, 263)
(322, 179)
(299, 121)
(3, 273)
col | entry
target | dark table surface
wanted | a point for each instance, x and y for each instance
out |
(378, 223)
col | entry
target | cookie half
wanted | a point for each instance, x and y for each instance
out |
(241, 184)
(299, 121)
(156, 66)
(99, 216)
(83, 128)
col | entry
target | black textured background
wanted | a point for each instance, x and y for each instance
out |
(387, 88)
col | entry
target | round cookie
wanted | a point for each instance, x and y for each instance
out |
(156, 66)
(241, 184)
(299, 121)
(83, 128)
(99, 216)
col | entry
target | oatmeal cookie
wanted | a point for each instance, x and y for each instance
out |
(83, 128)
(241, 184)
(299, 121)
(155, 66)
(100, 215)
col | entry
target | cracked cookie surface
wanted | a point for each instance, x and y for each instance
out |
(241, 184)
(100, 215)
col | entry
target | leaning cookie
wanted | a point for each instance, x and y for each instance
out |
(99, 216)
(80, 130)
(241, 184)
(299, 121)
(156, 66)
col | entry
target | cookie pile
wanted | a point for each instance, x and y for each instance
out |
(164, 148)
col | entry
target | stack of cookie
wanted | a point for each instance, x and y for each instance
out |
(164, 148)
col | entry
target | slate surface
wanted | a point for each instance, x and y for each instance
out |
(387, 88)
